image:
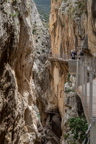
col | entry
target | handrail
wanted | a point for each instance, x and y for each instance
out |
(83, 79)
(64, 56)
(58, 56)
(86, 73)
(88, 131)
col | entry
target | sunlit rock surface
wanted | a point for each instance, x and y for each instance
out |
(18, 120)
(72, 26)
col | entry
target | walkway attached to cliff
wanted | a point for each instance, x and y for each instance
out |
(85, 70)
(57, 57)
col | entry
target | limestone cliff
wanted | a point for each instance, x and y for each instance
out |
(18, 120)
(28, 106)
(72, 26)
(42, 79)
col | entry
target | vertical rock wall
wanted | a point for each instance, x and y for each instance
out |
(72, 26)
(28, 104)
(18, 120)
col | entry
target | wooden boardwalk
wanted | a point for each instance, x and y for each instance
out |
(87, 106)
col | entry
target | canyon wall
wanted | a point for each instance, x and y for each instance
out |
(72, 26)
(34, 106)
(18, 120)
(28, 105)
(42, 79)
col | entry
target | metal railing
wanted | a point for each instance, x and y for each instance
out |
(86, 84)
(87, 134)
(85, 69)
(58, 56)
(67, 56)
(85, 80)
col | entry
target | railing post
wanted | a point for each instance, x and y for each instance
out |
(80, 73)
(85, 86)
(82, 79)
(91, 93)
(93, 132)
(95, 65)
(77, 74)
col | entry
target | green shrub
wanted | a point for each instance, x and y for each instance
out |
(34, 28)
(43, 50)
(38, 52)
(78, 127)
(36, 40)
(34, 31)
(14, 15)
(66, 136)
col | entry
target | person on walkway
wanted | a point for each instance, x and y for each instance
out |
(50, 54)
(73, 54)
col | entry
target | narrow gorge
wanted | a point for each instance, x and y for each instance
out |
(38, 98)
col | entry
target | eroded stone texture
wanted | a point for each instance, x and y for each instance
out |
(72, 25)
(18, 119)
(43, 85)
(32, 91)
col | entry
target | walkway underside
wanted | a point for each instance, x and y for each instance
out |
(58, 59)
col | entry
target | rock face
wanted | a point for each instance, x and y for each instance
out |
(72, 109)
(91, 7)
(43, 86)
(72, 26)
(18, 120)
(28, 105)
(34, 107)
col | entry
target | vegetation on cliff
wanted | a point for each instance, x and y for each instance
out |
(43, 7)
